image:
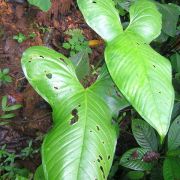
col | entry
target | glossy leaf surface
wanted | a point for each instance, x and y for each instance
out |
(145, 20)
(141, 74)
(82, 141)
(144, 135)
(102, 16)
(143, 77)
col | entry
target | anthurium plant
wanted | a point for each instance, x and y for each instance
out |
(141, 74)
(82, 141)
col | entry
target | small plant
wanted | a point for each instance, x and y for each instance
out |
(28, 151)
(151, 155)
(8, 167)
(20, 38)
(77, 42)
(6, 109)
(32, 35)
(4, 77)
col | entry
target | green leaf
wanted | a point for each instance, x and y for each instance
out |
(171, 169)
(4, 103)
(82, 142)
(133, 159)
(44, 5)
(3, 123)
(39, 174)
(135, 175)
(144, 78)
(81, 63)
(7, 79)
(145, 20)
(21, 178)
(102, 17)
(66, 45)
(175, 61)
(144, 135)
(142, 75)
(7, 116)
(5, 71)
(170, 16)
(174, 135)
(13, 107)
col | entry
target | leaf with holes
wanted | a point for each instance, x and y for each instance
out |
(141, 74)
(174, 135)
(82, 142)
(133, 159)
(144, 135)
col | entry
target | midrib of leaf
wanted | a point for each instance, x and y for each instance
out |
(85, 123)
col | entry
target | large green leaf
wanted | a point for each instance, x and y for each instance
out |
(82, 141)
(171, 169)
(174, 135)
(133, 159)
(145, 20)
(144, 135)
(142, 75)
(102, 16)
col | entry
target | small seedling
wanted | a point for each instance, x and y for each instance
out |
(6, 108)
(29, 151)
(32, 35)
(77, 42)
(8, 166)
(4, 77)
(20, 38)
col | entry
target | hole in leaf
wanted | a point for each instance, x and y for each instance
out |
(49, 75)
(97, 128)
(75, 117)
(101, 168)
(100, 157)
(62, 59)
